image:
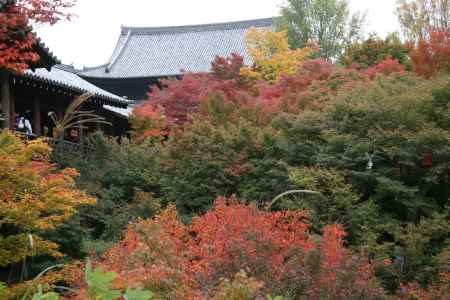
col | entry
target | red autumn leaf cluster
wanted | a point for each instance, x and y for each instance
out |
(179, 98)
(432, 56)
(180, 261)
(200, 94)
(228, 68)
(148, 122)
(46, 11)
(16, 41)
(310, 88)
(16, 37)
(385, 67)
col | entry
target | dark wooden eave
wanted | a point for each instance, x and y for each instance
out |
(47, 58)
(62, 82)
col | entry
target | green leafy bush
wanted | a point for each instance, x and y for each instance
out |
(389, 143)
(377, 152)
(210, 160)
(124, 179)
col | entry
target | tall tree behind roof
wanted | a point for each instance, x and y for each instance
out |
(327, 23)
(419, 17)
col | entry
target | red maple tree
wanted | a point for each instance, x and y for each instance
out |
(385, 67)
(16, 36)
(432, 56)
(180, 261)
(225, 91)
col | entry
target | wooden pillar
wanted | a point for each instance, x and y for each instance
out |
(6, 99)
(60, 115)
(37, 118)
(12, 97)
(81, 134)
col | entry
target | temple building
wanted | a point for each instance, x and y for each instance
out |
(143, 55)
(48, 86)
(37, 92)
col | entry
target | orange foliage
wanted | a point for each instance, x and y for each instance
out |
(34, 198)
(236, 237)
(180, 261)
(16, 38)
(15, 43)
(148, 121)
(433, 55)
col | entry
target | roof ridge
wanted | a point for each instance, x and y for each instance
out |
(143, 52)
(67, 68)
(264, 22)
(94, 67)
(112, 60)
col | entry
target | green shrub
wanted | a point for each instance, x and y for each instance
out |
(209, 160)
(124, 179)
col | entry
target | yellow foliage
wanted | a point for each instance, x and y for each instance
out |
(271, 55)
(34, 197)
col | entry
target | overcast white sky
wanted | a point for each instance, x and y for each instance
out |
(90, 39)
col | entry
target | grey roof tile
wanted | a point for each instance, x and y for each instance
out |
(166, 51)
(122, 112)
(62, 77)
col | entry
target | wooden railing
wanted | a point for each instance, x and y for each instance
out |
(63, 145)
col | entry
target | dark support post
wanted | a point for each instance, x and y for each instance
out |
(13, 108)
(60, 115)
(37, 117)
(6, 99)
(81, 134)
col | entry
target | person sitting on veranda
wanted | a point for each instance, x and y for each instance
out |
(24, 125)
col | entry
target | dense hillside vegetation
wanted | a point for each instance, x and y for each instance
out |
(189, 206)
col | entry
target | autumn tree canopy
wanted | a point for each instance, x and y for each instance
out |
(374, 50)
(272, 56)
(16, 36)
(34, 198)
(265, 252)
(432, 55)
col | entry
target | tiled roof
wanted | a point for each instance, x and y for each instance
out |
(62, 77)
(166, 51)
(122, 112)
